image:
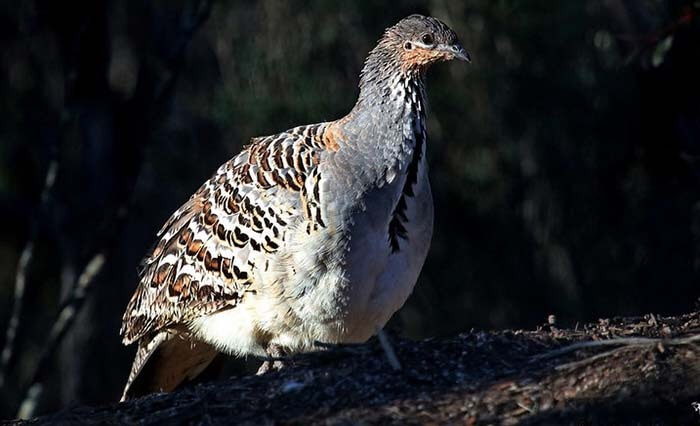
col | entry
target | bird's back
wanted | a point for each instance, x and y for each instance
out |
(213, 249)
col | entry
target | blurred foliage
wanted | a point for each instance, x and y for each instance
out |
(564, 159)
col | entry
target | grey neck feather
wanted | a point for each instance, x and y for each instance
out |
(391, 98)
(382, 72)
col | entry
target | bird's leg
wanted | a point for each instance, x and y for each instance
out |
(341, 348)
(388, 349)
(274, 352)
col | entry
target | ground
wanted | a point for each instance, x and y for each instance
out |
(618, 371)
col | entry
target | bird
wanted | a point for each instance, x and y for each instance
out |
(315, 234)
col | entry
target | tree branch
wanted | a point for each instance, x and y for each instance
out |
(62, 323)
(21, 274)
(194, 15)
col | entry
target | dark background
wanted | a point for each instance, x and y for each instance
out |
(564, 159)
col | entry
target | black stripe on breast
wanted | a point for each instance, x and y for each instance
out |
(396, 225)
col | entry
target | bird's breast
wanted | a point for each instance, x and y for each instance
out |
(364, 280)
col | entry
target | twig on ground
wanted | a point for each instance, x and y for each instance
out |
(341, 347)
(526, 408)
(593, 344)
(653, 320)
(591, 359)
(619, 341)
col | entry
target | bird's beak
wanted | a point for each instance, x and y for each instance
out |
(458, 51)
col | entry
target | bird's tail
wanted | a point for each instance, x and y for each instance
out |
(165, 361)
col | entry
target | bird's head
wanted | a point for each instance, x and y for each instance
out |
(408, 48)
(420, 41)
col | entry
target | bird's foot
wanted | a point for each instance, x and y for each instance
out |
(276, 361)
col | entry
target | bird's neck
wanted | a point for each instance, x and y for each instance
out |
(387, 124)
(391, 105)
(390, 86)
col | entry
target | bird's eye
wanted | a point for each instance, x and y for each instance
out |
(427, 39)
(408, 45)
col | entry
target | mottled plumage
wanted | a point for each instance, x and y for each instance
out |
(314, 234)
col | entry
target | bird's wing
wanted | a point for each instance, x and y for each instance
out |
(211, 249)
